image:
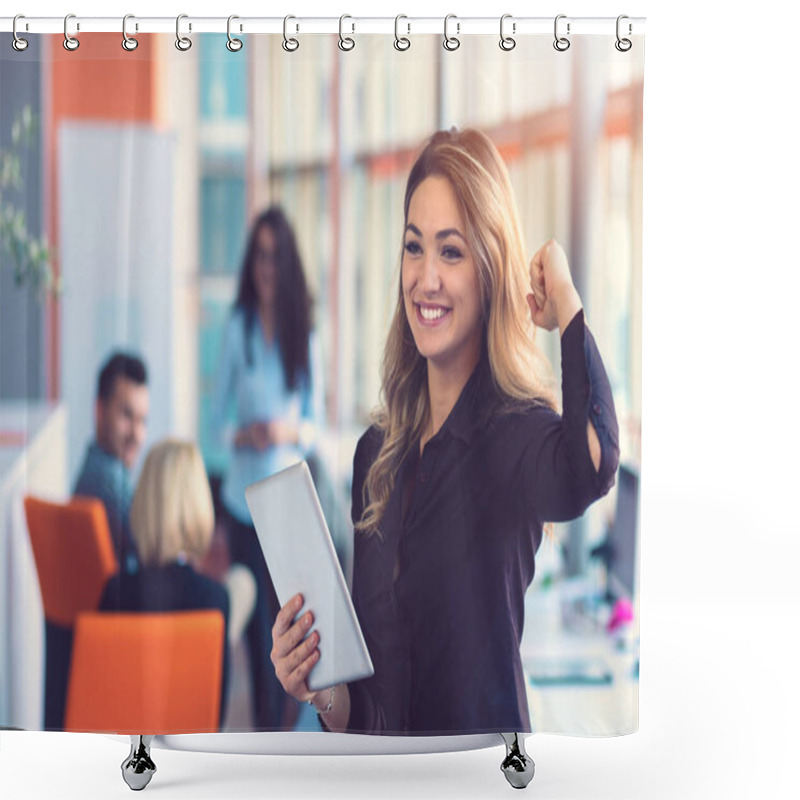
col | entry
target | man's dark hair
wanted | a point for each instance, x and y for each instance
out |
(119, 365)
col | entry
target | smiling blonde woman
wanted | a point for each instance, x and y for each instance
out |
(466, 462)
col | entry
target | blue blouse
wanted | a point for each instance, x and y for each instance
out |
(258, 392)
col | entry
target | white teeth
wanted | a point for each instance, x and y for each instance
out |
(431, 313)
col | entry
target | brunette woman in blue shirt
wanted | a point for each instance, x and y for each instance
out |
(467, 460)
(269, 372)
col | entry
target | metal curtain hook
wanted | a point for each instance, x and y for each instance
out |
(183, 43)
(233, 44)
(561, 43)
(623, 45)
(129, 43)
(401, 42)
(507, 42)
(70, 42)
(451, 42)
(290, 44)
(18, 43)
(346, 42)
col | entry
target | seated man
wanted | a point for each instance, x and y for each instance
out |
(121, 409)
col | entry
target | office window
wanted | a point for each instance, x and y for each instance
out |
(222, 223)
(223, 139)
(223, 78)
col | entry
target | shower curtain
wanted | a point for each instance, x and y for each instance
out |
(205, 250)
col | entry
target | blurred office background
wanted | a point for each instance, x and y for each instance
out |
(145, 169)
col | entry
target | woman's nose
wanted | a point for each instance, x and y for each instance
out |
(430, 280)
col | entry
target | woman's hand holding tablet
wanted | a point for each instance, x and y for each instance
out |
(294, 649)
(294, 654)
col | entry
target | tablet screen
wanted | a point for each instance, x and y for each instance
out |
(301, 559)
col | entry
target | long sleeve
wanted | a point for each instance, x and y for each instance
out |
(559, 477)
(225, 381)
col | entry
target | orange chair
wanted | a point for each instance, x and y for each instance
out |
(146, 673)
(74, 558)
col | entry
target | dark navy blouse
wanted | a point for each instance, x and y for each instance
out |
(440, 592)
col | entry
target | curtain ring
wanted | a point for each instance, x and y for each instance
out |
(129, 43)
(18, 43)
(290, 44)
(346, 43)
(183, 43)
(70, 42)
(561, 43)
(507, 42)
(623, 45)
(233, 44)
(401, 42)
(451, 42)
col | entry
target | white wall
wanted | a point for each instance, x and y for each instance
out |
(115, 182)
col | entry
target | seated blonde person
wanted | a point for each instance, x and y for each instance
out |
(172, 520)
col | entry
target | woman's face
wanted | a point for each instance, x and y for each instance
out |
(265, 270)
(440, 283)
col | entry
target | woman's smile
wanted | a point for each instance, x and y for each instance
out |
(430, 314)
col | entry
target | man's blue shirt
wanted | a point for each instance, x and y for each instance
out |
(106, 477)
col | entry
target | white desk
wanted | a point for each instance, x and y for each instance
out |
(579, 708)
(32, 460)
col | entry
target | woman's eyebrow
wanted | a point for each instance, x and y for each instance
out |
(450, 232)
(440, 235)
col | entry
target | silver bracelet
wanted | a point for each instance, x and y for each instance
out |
(326, 710)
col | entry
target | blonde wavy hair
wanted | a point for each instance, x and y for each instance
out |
(520, 372)
(172, 512)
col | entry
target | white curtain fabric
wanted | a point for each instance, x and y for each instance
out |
(151, 220)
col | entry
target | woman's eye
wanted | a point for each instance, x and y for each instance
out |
(451, 253)
(413, 248)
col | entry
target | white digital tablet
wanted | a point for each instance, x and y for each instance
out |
(301, 559)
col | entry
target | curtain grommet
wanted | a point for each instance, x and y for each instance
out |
(507, 43)
(233, 44)
(183, 43)
(18, 43)
(401, 43)
(346, 43)
(561, 43)
(623, 44)
(71, 43)
(451, 43)
(290, 44)
(129, 43)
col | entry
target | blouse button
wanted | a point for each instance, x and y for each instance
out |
(596, 409)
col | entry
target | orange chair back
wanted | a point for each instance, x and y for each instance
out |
(146, 673)
(73, 553)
